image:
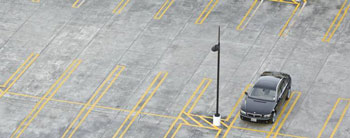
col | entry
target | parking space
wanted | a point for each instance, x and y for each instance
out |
(269, 130)
(127, 68)
(338, 19)
(343, 111)
(271, 23)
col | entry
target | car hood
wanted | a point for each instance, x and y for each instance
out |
(252, 105)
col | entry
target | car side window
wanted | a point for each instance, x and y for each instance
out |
(279, 90)
(282, 87)
(285, 84)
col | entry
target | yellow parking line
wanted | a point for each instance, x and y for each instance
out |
(340, 119)
(76, 5)
(157, 16)
(184, 108)
(36, 1)
(200, 20)
(329, 117)
(262, 131)
(19, 75)
(97, 106)
(231, 124)
(178, 128)
(347, 99)
(325, 39)
(137, 104)
(253, 14)
(199, 96)
(299, 13)
(238, 102)
(164, 116)
(246, 15)
(194, 120)
(289, 19)
(282, 1)
(144, 104)
(201, 126)
(248, 129)
(37, 111)
(120, 6)
(206, 121)
(91, 99)
(186, 122)
(14, 74)
(337, 26)
(217, 134)
(285, 118)
(279, 117)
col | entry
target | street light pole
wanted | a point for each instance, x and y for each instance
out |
(217, 117)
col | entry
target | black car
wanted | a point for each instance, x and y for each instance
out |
(267, 96)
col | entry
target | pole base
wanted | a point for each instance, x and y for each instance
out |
(216, 120)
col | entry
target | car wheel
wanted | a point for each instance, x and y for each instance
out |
(274, 116)
(288, 95)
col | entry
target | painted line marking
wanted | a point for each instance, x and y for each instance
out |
(186, 122)
(181, 124)
(289, 19)
(36, 1)
(248, 129)
(331, 114)
(32, 116)
(199, 96)
(280, 115)
(347, 99)
(240, 28)
(201, 19)
(283, 1)
(78, 3)
(97, 106)
(15, 73)
(194, 120)
(119, 8)
(238, 101)
(327, 37)
(116, 75)
(292, 24)
(177, 130)
(340, 119)
(160, 14)
(20, 74)
(143, 105)
(186, 105)
(246, 15)
(206, 121)
(288, 113)
(328, 118)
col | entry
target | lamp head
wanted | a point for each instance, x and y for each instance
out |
(215, 48)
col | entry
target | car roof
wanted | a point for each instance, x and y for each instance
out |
(269, 82)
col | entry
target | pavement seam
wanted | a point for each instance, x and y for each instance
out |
(20, 27)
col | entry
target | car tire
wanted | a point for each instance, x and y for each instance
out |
(288, 94)
(274, 117)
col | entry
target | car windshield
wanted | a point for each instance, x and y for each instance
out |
(263, 93)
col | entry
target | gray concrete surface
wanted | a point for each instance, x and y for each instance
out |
(176, 45)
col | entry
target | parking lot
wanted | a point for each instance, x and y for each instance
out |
(144, 68)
